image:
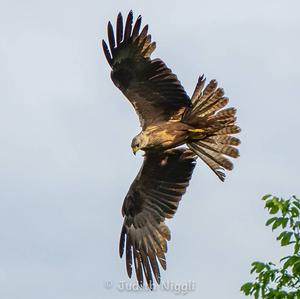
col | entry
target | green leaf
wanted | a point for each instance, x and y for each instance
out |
(274, 210)
(271, 220)
(290, 261)
(295, 212)
(256, 290)
(297, 204)
(284, 222)
(296, 269)
(269, 204)
(277, 223)
(246, 288)
(297, 224)
(286, 239)
(266, 196)
(281, 235)
(258, 267)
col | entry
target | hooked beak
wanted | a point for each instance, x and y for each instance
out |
(135, 149)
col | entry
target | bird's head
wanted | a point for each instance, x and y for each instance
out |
(139, 142)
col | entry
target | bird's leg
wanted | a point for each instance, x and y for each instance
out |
(197, 133)
(196, 130)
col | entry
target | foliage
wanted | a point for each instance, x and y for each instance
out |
(282, 281)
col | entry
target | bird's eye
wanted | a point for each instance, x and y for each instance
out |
(137, 145)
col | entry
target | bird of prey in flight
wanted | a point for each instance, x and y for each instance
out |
(169, 119)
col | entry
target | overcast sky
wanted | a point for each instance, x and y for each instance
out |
(65, 133)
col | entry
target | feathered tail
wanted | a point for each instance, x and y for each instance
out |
(211, 137)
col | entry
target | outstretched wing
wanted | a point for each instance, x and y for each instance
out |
(153, 196)
(150, 86)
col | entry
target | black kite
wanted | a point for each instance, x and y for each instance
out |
(169, 119)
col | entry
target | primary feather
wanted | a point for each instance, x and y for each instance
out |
(153, 196)
(150, 86)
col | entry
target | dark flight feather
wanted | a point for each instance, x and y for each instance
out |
(106, 52)
(111, 38)
(144, 231)
(119, 29)
(128, 26)
(150, 86)
(136, 28)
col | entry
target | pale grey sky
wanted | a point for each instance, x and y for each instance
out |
(65, 157)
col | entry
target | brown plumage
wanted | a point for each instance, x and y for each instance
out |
(153, 196)
(219, 124)
(169, 118)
